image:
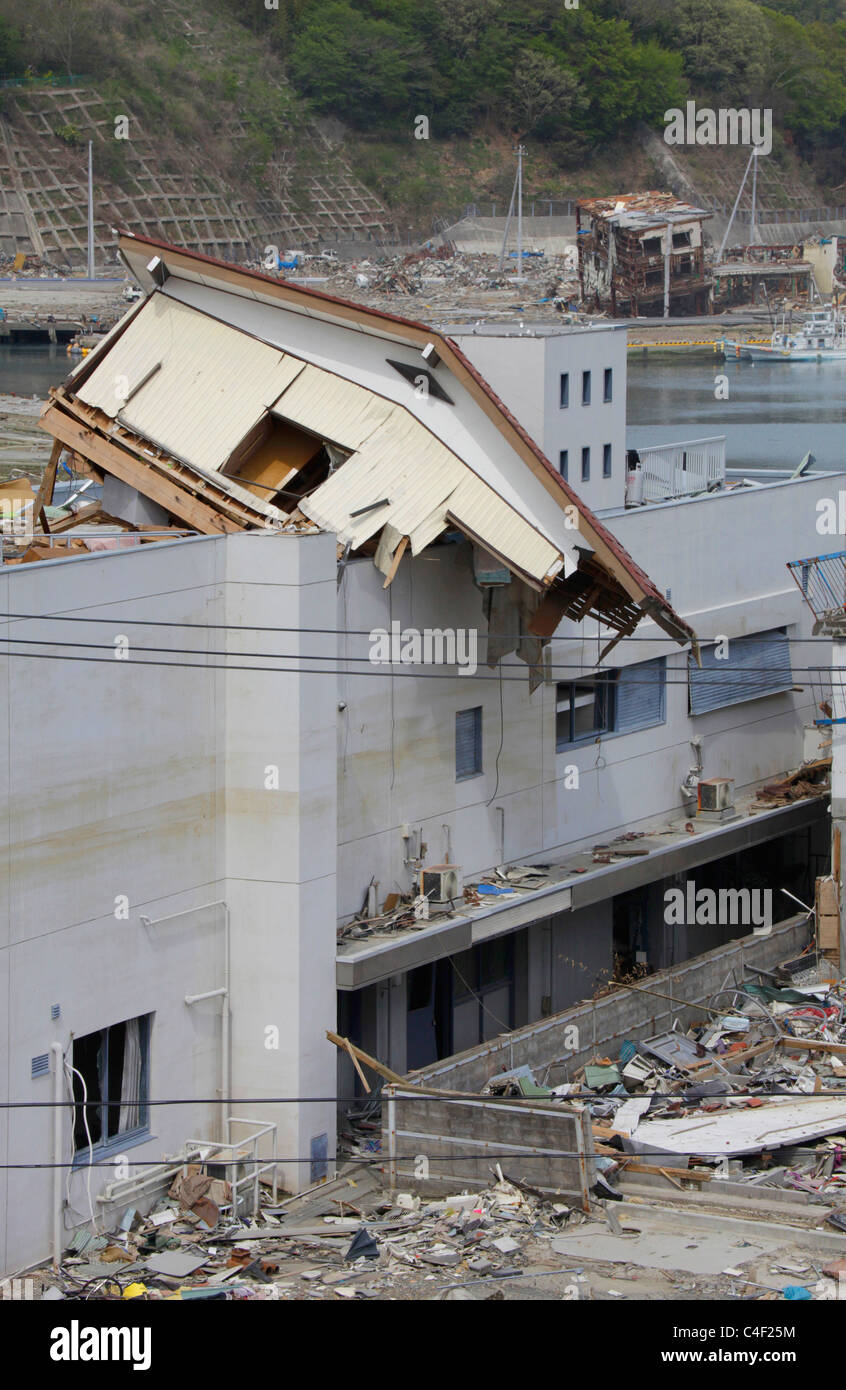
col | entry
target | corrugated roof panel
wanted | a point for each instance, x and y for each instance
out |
(213, 385)
(401, 462)
(333, 408)
(418, 481)
(483, 513)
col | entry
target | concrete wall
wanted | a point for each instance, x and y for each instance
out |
(598, 1027)
(525, 372)
(544, 1143)
(150, 786)
(724, 559)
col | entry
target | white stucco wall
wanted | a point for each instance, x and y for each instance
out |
(724, 558)
(151, 784)
(525, 372)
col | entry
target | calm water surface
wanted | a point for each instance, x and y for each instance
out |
(775, 413)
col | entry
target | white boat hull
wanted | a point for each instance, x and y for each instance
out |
(753, 353)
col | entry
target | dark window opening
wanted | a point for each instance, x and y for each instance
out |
(564, 390)
(608, 385)
(680, 239)
(586, 464)
(563, 457)
(585, 388)
(606, 460)
(611, 702)
(110, 1083)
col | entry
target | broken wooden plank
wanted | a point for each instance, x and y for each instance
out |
(395, 562)
(67, 523)
(143, 478)
(357, 1065)
(365, 1057)
(46, 486)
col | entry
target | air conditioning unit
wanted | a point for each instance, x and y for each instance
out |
(442, 883)
(714, 798)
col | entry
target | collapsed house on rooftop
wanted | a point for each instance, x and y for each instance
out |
(230, 401)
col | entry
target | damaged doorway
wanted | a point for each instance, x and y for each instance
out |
(428, 1008)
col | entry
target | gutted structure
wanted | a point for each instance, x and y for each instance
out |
(643, 254)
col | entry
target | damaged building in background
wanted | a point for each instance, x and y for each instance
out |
(269, 833)
(643, 254)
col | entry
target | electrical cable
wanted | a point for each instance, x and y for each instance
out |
(374, 669)
(364, 632)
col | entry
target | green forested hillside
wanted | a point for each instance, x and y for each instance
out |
(575, 79)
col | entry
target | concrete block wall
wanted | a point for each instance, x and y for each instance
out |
(602, 1025)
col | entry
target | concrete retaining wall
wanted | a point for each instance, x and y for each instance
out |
(598, 1027)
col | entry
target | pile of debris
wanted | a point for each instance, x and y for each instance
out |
(758, 1082)
(456, 283)
(380, 1245)
(811, 779)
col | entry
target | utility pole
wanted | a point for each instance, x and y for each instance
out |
(516, 193)
(753, 231)
(519, 212)
(90, 211)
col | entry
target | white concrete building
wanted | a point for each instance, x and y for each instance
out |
(184, 847)
(567, 385)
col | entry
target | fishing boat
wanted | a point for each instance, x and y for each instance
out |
(821, 337)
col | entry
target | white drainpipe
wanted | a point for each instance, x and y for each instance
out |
(58, 1099)
(222, 994)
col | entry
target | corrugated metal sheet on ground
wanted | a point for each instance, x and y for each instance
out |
(333, 408)
(213, 385)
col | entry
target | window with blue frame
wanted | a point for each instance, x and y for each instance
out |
(110, 1086)
(611, 702)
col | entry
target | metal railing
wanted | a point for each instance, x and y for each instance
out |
(676, 470)
(244, 1167)
(822, 583)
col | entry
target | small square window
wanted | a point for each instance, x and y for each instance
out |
(608, 385)
(468, 743)
(563, 459)
(586, 464)
(564, 390)
(606, 460)
(585, 388)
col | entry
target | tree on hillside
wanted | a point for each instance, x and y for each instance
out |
(541, 88)
(66, 33)
(367, 71)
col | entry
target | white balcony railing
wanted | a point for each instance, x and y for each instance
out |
(676, 470)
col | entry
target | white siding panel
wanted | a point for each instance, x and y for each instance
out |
(422, 481)
(333, 408)
(213, 385)
(478, 508)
